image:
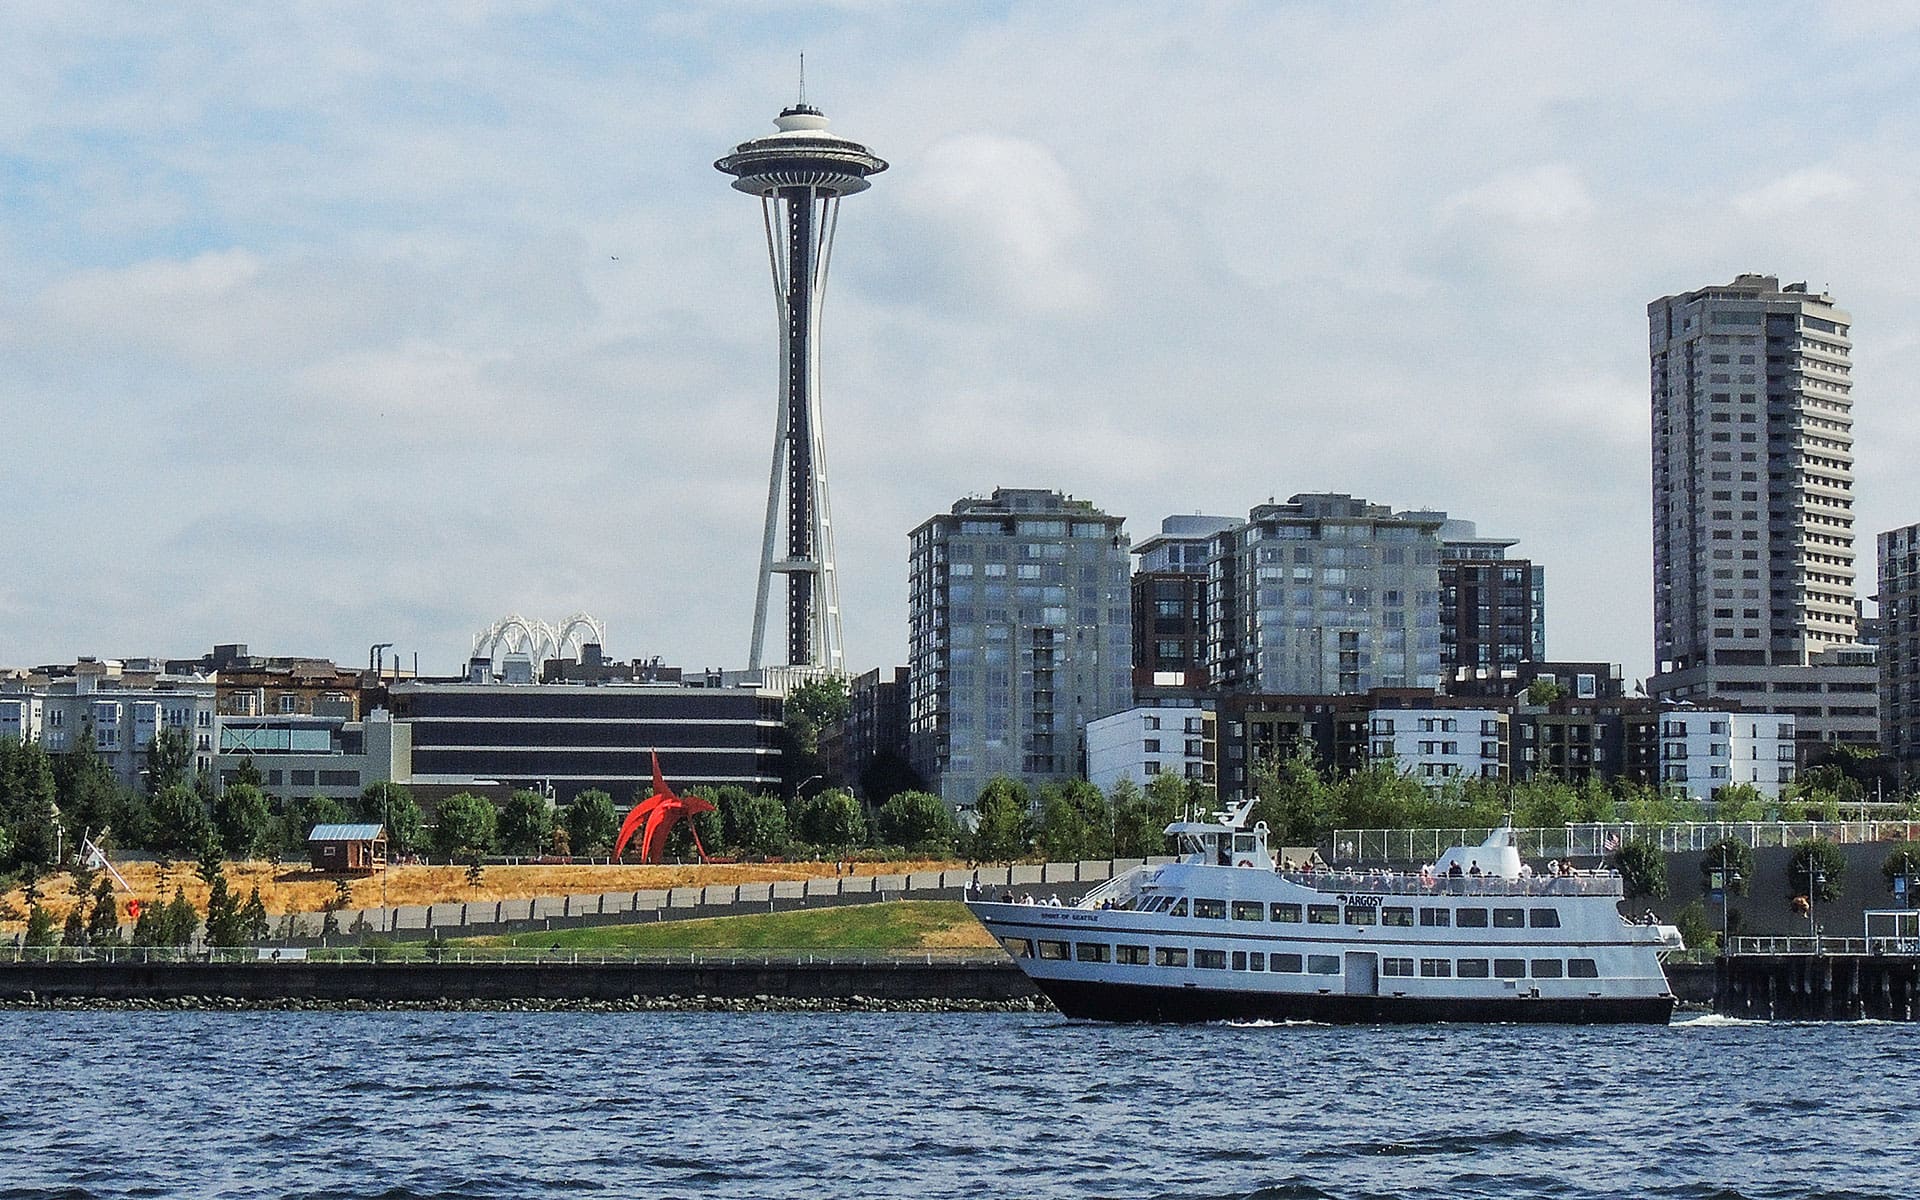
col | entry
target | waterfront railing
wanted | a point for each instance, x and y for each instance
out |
(1821, 944)
(418, 954)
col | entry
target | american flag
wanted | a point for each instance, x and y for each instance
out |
(1612, 843)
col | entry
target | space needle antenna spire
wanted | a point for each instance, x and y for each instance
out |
(800, 172)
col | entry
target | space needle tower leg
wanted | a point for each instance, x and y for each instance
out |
(800, 173)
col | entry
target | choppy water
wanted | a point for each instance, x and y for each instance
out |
(402, 1105)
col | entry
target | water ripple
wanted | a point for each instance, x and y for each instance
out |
(434, 1106)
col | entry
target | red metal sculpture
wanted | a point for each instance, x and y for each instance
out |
(654, 817)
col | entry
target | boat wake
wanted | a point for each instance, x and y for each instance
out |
(1714, 1021)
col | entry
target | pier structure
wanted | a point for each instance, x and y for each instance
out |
(800, 172)
(1823, 978)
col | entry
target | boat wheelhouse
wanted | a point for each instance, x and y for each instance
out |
(1226, 933)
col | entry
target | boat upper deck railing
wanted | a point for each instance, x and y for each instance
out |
(1393, 883)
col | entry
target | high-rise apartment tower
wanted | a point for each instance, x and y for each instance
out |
(1753, 575)
(800, 173)
(1752, 475)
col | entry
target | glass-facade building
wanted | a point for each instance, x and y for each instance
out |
(569, 737)
(1020, 633)
(1325, 594)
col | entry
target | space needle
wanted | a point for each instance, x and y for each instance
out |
(800, 173)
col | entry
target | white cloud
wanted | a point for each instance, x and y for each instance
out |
(378, 328)
(1550, 194)
(1005, 213)
(1791, 193)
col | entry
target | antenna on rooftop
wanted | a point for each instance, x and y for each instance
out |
(803, 78)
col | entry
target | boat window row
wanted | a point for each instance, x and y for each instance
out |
(1400, 916)
(1301, 964)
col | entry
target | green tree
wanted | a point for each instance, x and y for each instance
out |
(302, 815)
(1643, 870)
(1141, 817)
(169, 760)
(211, 864)
(74, 933)
(133, 816)
(103, 922)
(245, 822)
(180, 821)
(254, 924)
(89, 796)
(28, 804)
(40, 927)
(813, 706)
(248, 774)
(756, 823)
(1379, 797)
(1816, 869)
(1731, 856)
(392, 805)
(1059, 829)
(180, 922)
(1544, 691)
(466, 826)
(224, 925)
(1295, 801)
(831, 818)
(1696, 929)
(525, 823)
(592, 822)
(918, 821)
(1002, 821)
(1546, 803)
(1740, 802)
(150, 926)
(1096, 818)
(1903, 862)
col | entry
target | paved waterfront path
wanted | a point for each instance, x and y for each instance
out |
(481, 918)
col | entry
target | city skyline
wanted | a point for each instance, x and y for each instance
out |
(361, 325)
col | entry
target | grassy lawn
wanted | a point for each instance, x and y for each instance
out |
(881, 926)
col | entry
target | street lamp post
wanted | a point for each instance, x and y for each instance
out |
(1816, 879)
(1728, 878)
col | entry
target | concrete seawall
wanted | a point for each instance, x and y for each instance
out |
(900, 981)
(376, 983)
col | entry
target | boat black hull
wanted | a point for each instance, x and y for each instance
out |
(1135, 1002)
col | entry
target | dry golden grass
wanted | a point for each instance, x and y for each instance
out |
(293, 887)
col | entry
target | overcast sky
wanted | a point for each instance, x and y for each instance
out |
(330, 325)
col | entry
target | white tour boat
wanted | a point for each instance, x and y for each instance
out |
(1225, 934)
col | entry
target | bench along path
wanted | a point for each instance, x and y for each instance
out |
(478, 919)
